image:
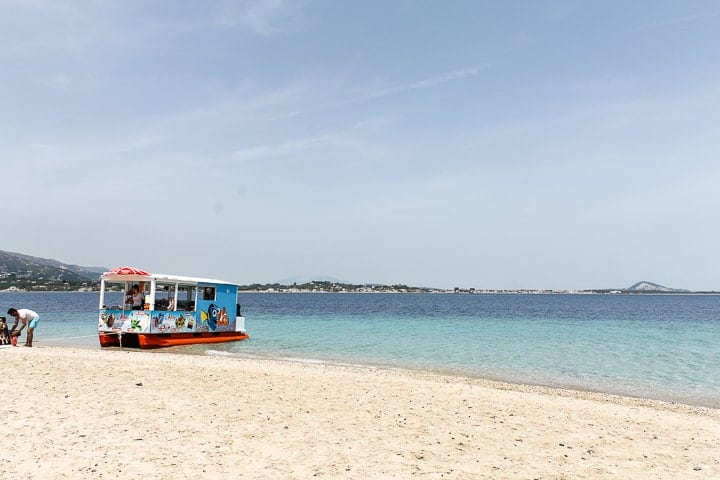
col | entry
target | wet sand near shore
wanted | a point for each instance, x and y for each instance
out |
(80, 413)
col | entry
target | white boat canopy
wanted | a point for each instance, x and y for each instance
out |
(130, 274)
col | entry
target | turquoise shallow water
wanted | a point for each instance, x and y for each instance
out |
(654, 346)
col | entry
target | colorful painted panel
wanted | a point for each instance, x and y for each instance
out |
(130, 321)
(173, 322)
(216, 319)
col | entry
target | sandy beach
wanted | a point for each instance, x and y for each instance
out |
(76, 413)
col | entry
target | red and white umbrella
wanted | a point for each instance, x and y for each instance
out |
(126, 274)
(128, 271)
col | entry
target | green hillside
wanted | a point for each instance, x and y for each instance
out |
(26, 272)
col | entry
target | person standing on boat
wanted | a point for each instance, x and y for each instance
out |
(29, 319)
(138, 299)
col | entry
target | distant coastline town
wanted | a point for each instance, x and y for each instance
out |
(22, 273)
(339, 287)
(27, 284)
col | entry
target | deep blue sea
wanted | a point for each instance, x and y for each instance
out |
(663, 347)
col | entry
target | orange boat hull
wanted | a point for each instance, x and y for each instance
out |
(109, 339)
(159, 340)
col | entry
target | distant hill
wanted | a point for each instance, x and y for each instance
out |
(36, 273)
(653, 287)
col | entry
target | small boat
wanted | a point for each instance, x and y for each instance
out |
(174, 310)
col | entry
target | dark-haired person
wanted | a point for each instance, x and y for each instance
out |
(136, 297)
(29, 319)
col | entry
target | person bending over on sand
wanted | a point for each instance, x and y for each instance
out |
(29, 319)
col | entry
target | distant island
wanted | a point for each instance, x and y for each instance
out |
(19, 272)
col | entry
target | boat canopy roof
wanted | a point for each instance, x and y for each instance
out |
(131, 274)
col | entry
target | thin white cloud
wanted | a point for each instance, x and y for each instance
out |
(424, 83)
(678, 20)
(397, 89)
(76, 26)
(619, 114)
(263, 17)
(73, 154)
(46, 6)
(292, 147)
(60, 81)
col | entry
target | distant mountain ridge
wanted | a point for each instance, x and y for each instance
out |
(645, 286)
(26, 272)
(23, 271)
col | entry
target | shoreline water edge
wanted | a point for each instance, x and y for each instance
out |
(656, 347)
(104, 413)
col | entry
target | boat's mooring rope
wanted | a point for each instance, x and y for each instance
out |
(66, 338)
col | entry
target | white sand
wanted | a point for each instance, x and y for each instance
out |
(73, 413)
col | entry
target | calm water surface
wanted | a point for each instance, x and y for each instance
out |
(654, 346)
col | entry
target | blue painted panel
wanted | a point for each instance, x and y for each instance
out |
(217, 310)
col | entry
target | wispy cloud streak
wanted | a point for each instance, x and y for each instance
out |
(678, 21)
(288, 148)
(264, 17)
(429, 82)
(425, 83)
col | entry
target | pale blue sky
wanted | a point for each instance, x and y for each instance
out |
(486, 144)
